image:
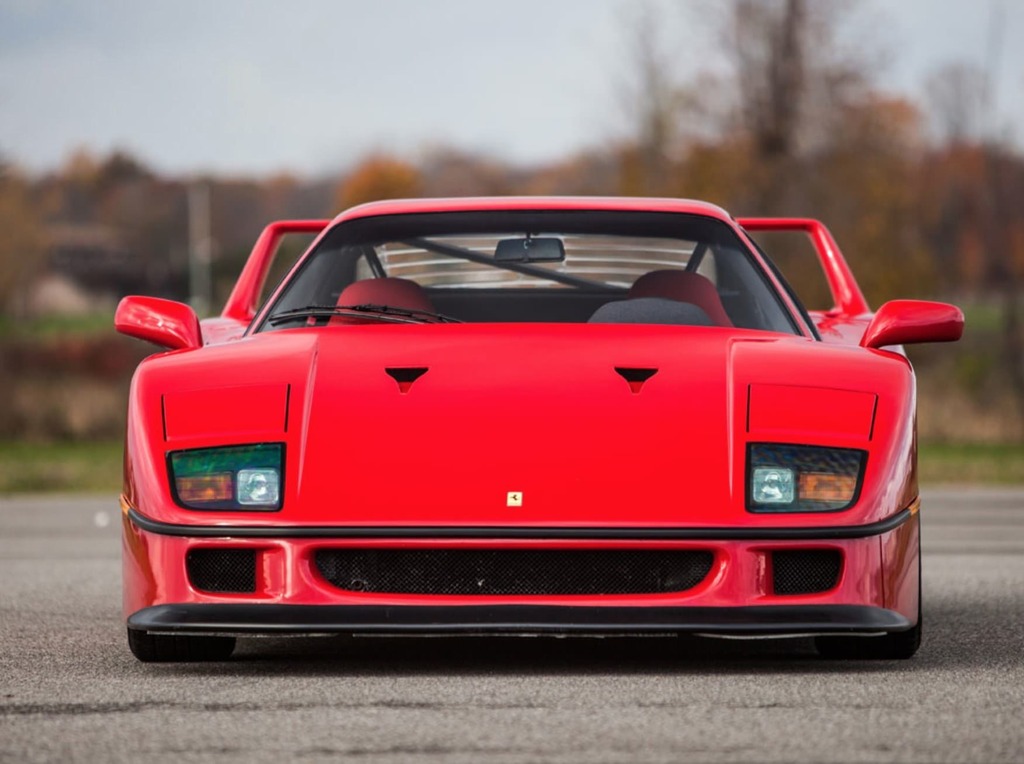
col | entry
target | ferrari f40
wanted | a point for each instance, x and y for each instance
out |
(526, 416)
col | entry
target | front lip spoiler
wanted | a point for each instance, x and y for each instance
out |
(749, 533)
(766, 620)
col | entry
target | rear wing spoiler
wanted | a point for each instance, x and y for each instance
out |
(846, 294)
(244, 299)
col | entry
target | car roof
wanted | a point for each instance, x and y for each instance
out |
(501, 203)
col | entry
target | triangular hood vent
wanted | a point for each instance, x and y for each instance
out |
(635, 376)
(405, 375)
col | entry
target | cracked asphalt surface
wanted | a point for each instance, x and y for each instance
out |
(71, 691)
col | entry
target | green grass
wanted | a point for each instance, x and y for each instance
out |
(44, 467)
(971, 463)
(58, 326)
(96, 467)
(981, 318)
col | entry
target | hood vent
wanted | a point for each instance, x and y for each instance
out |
(635, 376)
(405, 375)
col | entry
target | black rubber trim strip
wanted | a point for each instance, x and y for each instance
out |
(520, 532)
(306, 619)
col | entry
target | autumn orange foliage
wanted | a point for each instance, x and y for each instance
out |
(379, 176)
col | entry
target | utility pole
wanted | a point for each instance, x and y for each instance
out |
(200, 249)
(993, 65)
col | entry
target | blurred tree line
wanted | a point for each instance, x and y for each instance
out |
(787, 118)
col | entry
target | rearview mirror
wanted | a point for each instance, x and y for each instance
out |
(903, 322)
(167, 323)
(530, 250)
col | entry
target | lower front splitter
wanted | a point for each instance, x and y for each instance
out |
(254, 619)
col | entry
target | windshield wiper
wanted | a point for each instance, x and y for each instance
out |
(372, 311)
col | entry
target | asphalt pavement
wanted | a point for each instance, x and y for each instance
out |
(71, 691)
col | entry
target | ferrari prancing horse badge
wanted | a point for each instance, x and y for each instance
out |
(514, 499)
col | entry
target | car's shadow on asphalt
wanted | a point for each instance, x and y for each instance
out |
(528, 656)
(957, 637)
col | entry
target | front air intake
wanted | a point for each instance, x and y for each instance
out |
(222, 570)
(514, 571)
(805, 571)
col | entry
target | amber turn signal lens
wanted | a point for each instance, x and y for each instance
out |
(204, 489)
(819, 486)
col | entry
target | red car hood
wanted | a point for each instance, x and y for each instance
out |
(580, 425)
(530, 413)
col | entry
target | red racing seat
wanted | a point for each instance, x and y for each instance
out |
(394, 292)
(682, 286)
(390, 291)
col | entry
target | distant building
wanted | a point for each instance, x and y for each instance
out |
(88, 268)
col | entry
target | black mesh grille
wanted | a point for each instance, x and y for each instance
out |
(222, 570)
(805, 571)
(514, 571)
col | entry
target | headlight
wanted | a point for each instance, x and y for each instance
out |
(785, 478)
(233, 477)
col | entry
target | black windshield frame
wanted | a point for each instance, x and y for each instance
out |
(369, 231)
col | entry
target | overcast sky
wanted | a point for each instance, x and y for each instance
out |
(261, 86)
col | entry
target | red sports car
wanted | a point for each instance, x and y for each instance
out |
(526, 415)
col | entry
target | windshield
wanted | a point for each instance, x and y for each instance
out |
(558, 266)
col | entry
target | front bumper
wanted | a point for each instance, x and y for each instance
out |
(876, 592)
